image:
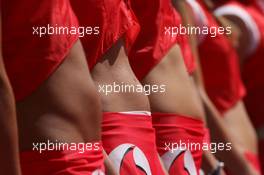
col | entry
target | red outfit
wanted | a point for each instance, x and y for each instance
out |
(252, 68)
(153, 43)
(219, 63)
(89, 162)
(114, 19)
(29, 58)
(129, 140)
(261, 154)
(258, 4)
(172, 129)
(253, 159)
(254, 63)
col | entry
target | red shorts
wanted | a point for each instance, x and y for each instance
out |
(254, 160)
(174, 133)
(29, 58)
(112, 19)
(153, 42)
(261, 154)
(89, 162)
(129, 140)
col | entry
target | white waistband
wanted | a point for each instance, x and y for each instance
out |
(248, 21)
(146, 113)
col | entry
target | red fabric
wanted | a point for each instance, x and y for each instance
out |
(187, 53)
(152, 44)
(220, 68)
(258, 4)
(130, 164)
(252, 69)
(207, 136)
(61, 162)
(261, 154)
(173, 128)
(29, 59)
(119, 129)
(253, 159)
(114, 19)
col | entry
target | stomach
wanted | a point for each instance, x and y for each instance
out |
(180, 95)
(117, 84)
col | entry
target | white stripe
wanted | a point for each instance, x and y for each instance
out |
(202, 172)
(98, 172)
(200, 18)
(146, 113)
(248, 21)
(117, 155)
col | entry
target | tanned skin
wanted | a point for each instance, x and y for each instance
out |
(210, 162)
(180, 96)
(247, 138)
(114, 67)
(234, 159)
(9, 157)
(65, 108)
(239, 38)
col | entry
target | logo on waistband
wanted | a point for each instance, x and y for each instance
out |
(169, 159)
(119, 153)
